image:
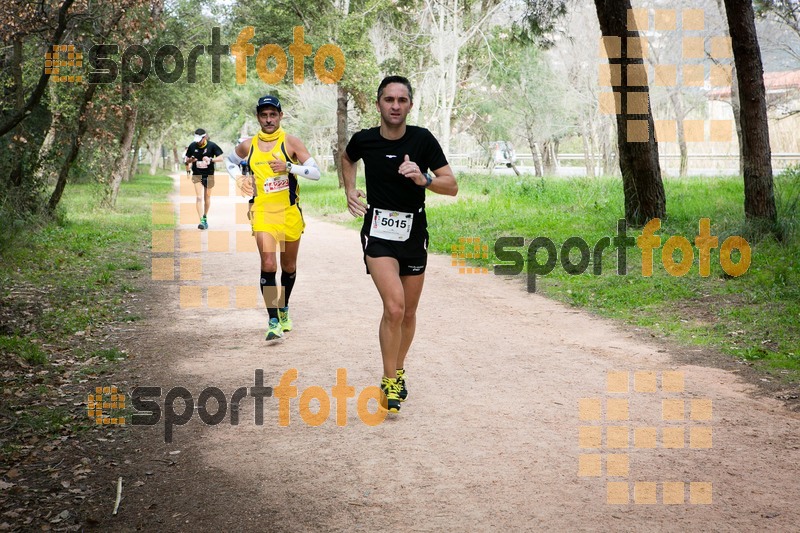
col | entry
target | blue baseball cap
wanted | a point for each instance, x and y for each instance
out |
(268, 100)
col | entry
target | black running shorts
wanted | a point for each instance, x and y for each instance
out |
(412, 254)
(206, 179)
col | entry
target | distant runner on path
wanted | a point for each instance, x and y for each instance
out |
(201, 155)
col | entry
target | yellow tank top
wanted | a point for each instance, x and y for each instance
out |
(271, 187)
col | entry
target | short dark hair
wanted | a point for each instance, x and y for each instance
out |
(396, 79)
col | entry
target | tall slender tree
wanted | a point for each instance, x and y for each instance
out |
(638, 150)
(759, 197)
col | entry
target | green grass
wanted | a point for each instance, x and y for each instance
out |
(77, 268)
(753, 316)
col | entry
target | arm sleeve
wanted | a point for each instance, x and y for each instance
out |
(232, 165)
(217, 150)
(308, 169)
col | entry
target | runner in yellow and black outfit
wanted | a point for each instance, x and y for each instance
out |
(274, 158)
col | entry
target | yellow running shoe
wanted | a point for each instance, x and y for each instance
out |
(391, 391)
(401, 382)
(283, 317)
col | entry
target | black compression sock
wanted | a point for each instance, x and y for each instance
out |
(287, 280)
(269, 292)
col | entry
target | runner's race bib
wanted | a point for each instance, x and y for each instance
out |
(281, 183)
(391, 225)
(201, 164)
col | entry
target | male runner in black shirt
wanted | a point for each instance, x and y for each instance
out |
(397, 160)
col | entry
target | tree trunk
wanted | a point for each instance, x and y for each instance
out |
(45, 150)
(341, 130)
(759, 198)
(537, 159)
(548, 163)
(19, 114)
(588, 156)
(122, 163)
(680, 115)
(737, 118)
(638, 150)
(19, 103)
(72, 149)
(134, 166)
(159, 146)
(737, 112)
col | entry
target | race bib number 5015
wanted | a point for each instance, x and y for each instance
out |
(391, 225)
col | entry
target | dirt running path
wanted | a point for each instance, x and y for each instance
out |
(490, 438)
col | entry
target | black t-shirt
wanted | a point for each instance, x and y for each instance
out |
(210, 149)
(386, 188)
